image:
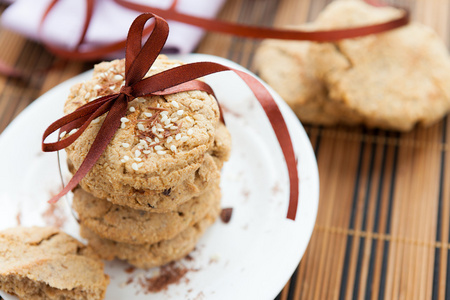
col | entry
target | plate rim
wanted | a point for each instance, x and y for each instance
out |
(286, 111)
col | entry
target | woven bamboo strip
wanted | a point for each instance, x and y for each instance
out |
(444, 237)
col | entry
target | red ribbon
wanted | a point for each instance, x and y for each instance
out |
(138, 60)
(220, 26)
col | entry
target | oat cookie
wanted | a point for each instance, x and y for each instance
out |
(162, 201)
(287, 68)
(126, 225)
(207, 176)
(162, 141)
(45, 263)
(151, 255)
(391, 80)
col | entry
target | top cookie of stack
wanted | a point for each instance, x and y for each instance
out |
(153, 161)
(391, 80)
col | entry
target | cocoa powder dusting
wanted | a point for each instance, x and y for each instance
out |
(19, 218)
(54, 216)
(169, 274)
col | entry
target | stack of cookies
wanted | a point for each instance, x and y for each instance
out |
(155, 189)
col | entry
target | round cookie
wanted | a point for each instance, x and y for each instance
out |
(151, 255)
(125, 225)
(162, 141)
(287, 68)
(167, 200)
(391, 80)
(45, 263)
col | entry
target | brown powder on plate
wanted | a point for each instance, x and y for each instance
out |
(54, 216)
(169, 274)
(19, 218)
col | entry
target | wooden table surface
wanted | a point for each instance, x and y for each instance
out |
(382, 229)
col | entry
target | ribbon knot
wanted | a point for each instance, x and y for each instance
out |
(128, 91)
(138, 60)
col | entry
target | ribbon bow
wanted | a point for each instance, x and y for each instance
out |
(138, 60)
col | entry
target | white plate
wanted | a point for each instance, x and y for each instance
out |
(251, 257)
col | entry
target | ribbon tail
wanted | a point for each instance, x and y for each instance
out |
(80, 117)
(183, 74)
(282, 133)
(104, 136)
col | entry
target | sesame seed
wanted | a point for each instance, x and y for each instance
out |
(138, 159)
(126, 157)
(173, 148)
(169, 139)
(154, 129)
(96, 120)
(62, 134)
(140, 147)
(174, 119)
(147, 151)
(73, 131)
(134, 166)
(156, 140)
(123, 125)
(157, 148)
(123, 160)
(161, 152)
(97, 87)
(137, 153)
(173, 127)
(178, 136)
(189, 119)
(140, 165)
(90, 100)
(180, 112)
(125, 145)
(87, 95)
(112, 88)
(190, 131)
(168, 126)
(147, 114)
(168, 121)
(148, 139)
(164, 113)
(118, 77)
(160, 129)
(184, 139)
(132, 109)
(164, 118)
(124, 120)
(158, 105)
(140, 126)
(175, 104)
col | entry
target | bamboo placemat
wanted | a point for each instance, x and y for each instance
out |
(382, 229)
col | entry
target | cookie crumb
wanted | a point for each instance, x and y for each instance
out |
(225, 214)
